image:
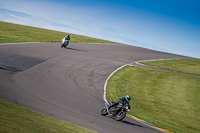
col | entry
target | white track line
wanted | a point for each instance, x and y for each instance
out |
(105, 85)
(130, 64)
(137, 62)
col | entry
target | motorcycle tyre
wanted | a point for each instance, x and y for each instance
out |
(104, 112)
(66, 44)
(117, 118)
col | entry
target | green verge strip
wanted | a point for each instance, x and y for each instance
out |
(12, 33)
(191, 66)
(16, 119)
(165, 99)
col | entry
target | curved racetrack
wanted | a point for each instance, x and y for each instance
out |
(68, 83)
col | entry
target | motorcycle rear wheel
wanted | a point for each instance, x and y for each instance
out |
(121, 115)
(104, 112)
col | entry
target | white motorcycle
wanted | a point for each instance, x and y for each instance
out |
(65, 42)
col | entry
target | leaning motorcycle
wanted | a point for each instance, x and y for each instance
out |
(64, 43)
(118, 112)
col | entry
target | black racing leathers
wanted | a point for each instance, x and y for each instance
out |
(122, 101)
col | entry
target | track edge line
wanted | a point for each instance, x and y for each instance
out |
(130, 116)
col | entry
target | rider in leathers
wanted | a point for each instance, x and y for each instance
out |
(65, 41)
(123, 101)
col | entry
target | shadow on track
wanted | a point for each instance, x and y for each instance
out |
(133, 124)
(129, 123)
(75, 49)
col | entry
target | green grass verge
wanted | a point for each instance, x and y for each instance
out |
(168, 100)
(11, 33)
(15, 119)
(191, 66)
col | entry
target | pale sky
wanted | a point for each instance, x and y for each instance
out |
(165, 25)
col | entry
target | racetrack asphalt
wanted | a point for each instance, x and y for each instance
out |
(68, 84)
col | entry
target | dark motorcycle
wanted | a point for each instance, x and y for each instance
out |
(118, 112)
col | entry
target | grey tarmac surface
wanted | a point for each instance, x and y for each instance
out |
(68, 83)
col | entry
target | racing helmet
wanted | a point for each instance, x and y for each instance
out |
(128, 98)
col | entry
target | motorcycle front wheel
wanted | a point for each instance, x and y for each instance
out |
(104, 112)
(121, 115)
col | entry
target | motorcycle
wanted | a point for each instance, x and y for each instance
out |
(64, 43)
(118, 112)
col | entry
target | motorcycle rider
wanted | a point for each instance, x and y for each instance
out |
(123, 101)
(67, 37)
(65, 41)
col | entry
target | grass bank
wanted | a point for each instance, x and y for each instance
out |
(168, 100)
(191, 66)
(11, 33)
(15, 119)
